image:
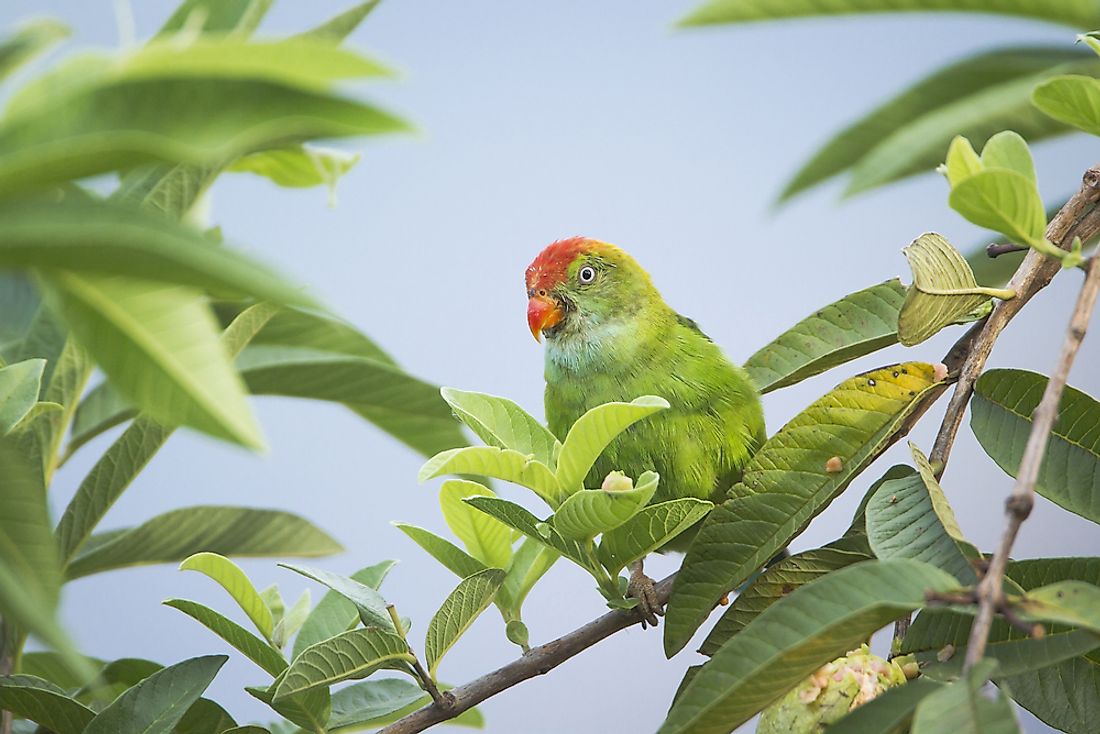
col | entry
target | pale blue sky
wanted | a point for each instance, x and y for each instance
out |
(540, 121)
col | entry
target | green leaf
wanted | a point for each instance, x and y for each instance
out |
(976, 96)
(231, 578)
(889, 712)
(53, 667)
(216, 16)
(1007, 149)
(1072, 99)
(487, 539)
(1066, 696)
(856, 325)
(490, 461)
(1014, 657)
(591, 434)
(114, 679)
(204, 717)
(519, 518)
(19, 386)
(963, 708)
(962, 161)
(471, 597)
(787, 483)
(338, 28)
(334, 613)
(402, 405)
(500, 422)
(43, 703)
(133, 450)
(453, 558)
(361, 703)
(648, 530)
(156, 704)
(902, 523)
(159, 346)
(589, 512)
(31, 39)
(1073, 14)
(775, 583)
(944, 290)
(1070, 602)
(228, 531)
(369, 603)
(99, 238)
(796, 635)
(1000, 417)
(289, 625)
(302, 166)
(251, 646)
(30, 573)
(530, 562)
(1004, 201)
(353, 654)
(309, 710)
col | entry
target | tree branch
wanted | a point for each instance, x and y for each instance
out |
(1019, 503)
(1080, 217)
(538, 661)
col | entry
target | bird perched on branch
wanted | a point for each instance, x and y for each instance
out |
(610, 336)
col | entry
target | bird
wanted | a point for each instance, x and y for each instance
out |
(611, 337)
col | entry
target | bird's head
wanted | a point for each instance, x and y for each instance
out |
(577, 285)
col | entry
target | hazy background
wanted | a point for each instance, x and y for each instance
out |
(540, 121)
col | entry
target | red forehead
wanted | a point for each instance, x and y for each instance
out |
(551, 266)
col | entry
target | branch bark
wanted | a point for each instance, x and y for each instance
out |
(1019, 503)
(1080, 217)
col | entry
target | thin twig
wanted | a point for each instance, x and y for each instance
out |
(1079, 217)
(1019, 503)
(439, 698)
(996, 250)
(539, 661)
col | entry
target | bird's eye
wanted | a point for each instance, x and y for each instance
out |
(586, 275)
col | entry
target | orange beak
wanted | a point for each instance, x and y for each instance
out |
(543, 312)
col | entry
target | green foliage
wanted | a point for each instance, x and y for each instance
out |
(890, 712)
(962, 707)
(353, 654)
(230, 577)
(1072, 99)
(19, 387)
(500, 422)
(591, 512)
(488, 540)
(943, 292)
(856, 325)
(255, 649)
(335, 613)
(32, 39)
(796, 635)
(471, 597)
(1000, 417)
(649, 530)
(792, 478)
(43, 703)
(368, 602)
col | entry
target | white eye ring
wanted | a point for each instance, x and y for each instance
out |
(586, 275)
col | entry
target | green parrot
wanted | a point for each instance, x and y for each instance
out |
(610, 336)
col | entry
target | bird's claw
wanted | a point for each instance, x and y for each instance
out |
(642, 589)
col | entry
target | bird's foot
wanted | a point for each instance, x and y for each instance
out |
(642, 588)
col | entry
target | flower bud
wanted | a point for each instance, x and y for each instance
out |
(616, 481)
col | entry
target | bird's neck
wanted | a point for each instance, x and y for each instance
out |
(604, 347)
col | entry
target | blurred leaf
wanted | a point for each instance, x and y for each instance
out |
(369, 603)
(858, 324)
(795, 636)
(132, 451)
(944, 97)
(158, 345)
(334, 613)
(943, 292)
(340, 27)
(52, 667)
(589, 512)
(31, 39)
(500, 422)
(289, 625)
(453, 558)
(218, 529)
(360, 703)
(1066, 696)
(791, 479)
(217, 16)
(902, 522)
(353, 654)
(489, 461)
(1069, 602)
(471, 597)
(19, 386)
(1077, 15)
(591, 434)
(519, 518)
(648, 530)
(114, 678)
(486, 538)
(158, 703)
(231, 578)
(775, 583)
(274, 601)
(43, 703)
(298, 167)
(255, 649)
(963, 708)
(1000, 417)
(1072, 99)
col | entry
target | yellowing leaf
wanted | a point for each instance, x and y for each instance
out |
(231, 578)
(487, 539)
